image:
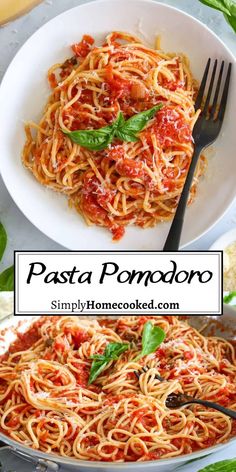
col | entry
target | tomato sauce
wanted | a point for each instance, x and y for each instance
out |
(118, 87)
(25, 340)
(170, 127)
(129, 168)
(84, 47)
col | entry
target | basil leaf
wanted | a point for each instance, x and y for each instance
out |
(222, 466)
(228, 298)
(152, 337)
(98, 139)
(113, 350)
(93, 139)
(96, 368)
(99, 357)
(231, 20)
(120, 120)
(137, 122)
(100, 361)
(7, 280)
(231, 5)
(128, 137)
(3, 240)
(227, 7)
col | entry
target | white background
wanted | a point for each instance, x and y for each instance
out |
(193, 298)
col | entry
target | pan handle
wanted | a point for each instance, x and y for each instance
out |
(39, 465)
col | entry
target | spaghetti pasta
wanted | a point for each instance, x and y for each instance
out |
(47, 403)
(126, 183)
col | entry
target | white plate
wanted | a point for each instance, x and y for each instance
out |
(24, 91)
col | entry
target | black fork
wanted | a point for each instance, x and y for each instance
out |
(205, 132)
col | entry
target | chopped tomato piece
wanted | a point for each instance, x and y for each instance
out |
(14, 421)
(83, 48)
(119, 87)
(170, 127)
(118, 232)
(93, 210)
(129, 168)
(79, 337)
(44, 435)
(116, 152)
(188, 355)
(160, 353)
(88, 39)
(52, 80)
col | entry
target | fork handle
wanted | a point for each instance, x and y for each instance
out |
(216, 406)
(173, 238)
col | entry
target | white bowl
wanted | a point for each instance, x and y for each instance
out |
(24, 91)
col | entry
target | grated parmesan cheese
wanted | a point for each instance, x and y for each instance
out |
(230, 267)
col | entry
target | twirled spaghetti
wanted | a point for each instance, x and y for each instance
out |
(46, 402)
(127, 183)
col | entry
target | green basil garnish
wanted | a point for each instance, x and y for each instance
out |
(95, 139)
(137, 122)
(228, 298)
(3, 240)
(7, 276)
(227, 7)
(100, 361)
(7, 280)
(99, 139)
(152, 337)
(228, 465)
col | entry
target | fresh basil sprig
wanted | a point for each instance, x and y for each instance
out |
(152, 337)
(128, 130)
(99, 139)
(227, 7)
(7, 276)
(100, 361)
(228, 465)
(229, 297)
(95, 139)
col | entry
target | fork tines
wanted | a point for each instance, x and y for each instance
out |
(145, 369)
(213, 114)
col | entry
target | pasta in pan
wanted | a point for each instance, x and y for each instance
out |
(48, 403)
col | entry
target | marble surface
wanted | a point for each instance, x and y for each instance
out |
(22, 234)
